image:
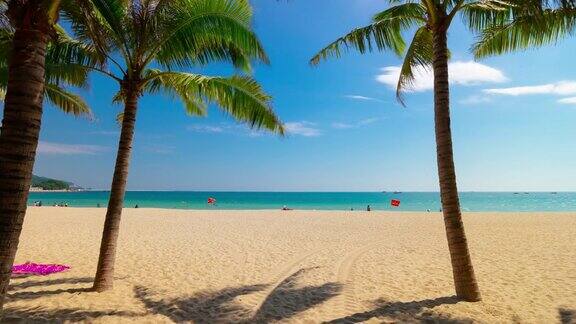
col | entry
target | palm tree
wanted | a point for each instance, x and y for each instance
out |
(32, 65)
(137, 38)
(430, 20)
(525, 24)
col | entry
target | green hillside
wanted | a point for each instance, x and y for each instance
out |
(49, 184)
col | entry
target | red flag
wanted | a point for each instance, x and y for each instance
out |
(211, 200)
(395, 202)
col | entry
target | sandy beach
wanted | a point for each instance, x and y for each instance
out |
(295, 266)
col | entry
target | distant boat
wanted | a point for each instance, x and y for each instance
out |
(554, 193)
(397, 192)
(516, 193)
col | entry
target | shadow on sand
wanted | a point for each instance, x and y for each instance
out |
(283, 302)
(567, 316)
(406, 312)
(24, 295)
(43, 283)
(45, 315)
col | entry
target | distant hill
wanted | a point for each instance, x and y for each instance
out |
(49, 183)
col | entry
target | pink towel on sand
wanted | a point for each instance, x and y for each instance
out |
(38, 269)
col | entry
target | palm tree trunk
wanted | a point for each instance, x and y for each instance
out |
(20, 128)
(463, 272)
(105, 272)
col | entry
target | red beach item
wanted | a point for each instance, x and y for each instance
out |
(211, 200)
(395, 202)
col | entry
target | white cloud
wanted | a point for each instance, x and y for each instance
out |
(558, 88)
(568, 101)
(205, 129)
(69, 149)
(358, 97)
(302, 128)
(475, 100)
(461, 73)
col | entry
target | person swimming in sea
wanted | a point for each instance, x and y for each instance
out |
(368, 208)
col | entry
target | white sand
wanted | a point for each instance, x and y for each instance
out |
(296, 266)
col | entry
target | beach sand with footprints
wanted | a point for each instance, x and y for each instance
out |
(295, 266)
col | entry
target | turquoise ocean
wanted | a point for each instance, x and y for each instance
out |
(409, 201)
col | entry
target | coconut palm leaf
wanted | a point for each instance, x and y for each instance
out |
(240, 96)
(66, 101)
(418, 56)
(196, 32)
(524, 30)
(382, 34)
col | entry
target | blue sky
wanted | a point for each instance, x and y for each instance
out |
(513, 120)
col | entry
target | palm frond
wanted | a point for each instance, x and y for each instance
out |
(105, 32)
(195, 32)
(185, 87)
(407, 14)
(523, 32)
(482, 14)
(66, 101)
(383, 34)
(240, 96)
(419, 55)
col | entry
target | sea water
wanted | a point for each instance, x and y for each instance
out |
(409, 201)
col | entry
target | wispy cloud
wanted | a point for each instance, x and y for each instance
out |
(69, 149)
(302, 128)
(205, 129)
(228, 129)
(342, 125)
(106, 132)
(466, 73)
(159, 149)
(568, 101)
(475, 100)
(363, 98)
(561, 88)
(363, 122)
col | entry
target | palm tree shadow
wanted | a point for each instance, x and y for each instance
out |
(287, 299)
(283, 302)
(43, 283)
(204, 307)
(567, 316)
(26, 295)
(407, 312)
(45, 315)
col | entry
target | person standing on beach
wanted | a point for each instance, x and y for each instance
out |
(368, 208)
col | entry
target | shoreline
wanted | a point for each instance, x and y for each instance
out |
(322, 211)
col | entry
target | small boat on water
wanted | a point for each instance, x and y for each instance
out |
(397, 192)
